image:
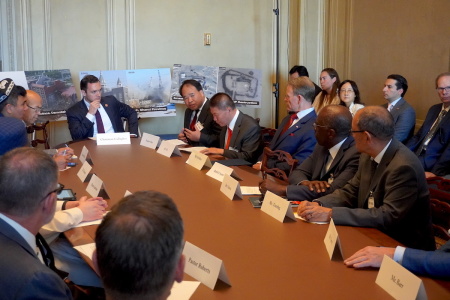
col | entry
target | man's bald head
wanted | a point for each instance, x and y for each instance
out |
(34, 102)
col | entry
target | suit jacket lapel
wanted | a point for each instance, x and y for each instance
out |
(12, 234)
(293, 128)
(321, 162)
(236, 130)
(204, 113)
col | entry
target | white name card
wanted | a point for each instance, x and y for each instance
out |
(118, 138)
(199, 160)
(231, 187)
(218, 171)
(399, 282)
(167, 149)
(150, 140)
(84, 154)
(277, 207)
(332, 242)
(127, 193)
(84, 172)
(96, 187)
(203, 266)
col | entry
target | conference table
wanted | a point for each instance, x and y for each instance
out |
(264, 258)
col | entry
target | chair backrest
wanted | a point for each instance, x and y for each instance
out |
(440, 216)
(278, 155)
(267, 135)
(439, 188)
(39, 127)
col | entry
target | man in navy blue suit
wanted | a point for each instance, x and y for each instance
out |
(431, 263)
(96, 114)
(295, 134)
(403, 113)
(431, 142)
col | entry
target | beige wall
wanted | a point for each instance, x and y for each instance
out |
(407, 37)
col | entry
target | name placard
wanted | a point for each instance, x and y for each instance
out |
(332, 242)
(231, 187)
(218, 171)
(167, 149)
(118, 138)
(398, 281)
(84, 173)
(127, 193)
(84, 156)
(199, 160)
(203, 266)
(277, 207)
(96, 187)
(150, 141)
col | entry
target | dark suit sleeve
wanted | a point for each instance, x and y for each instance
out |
(405, 124)
(209, 136)
(249, 143)
(442, 165)
(432, 263)
(79, 125)
(125, 111)
(45, 286)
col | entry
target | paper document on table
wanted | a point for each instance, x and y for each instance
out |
(95, 222)
(183, 290)
(87, 249)
(193, 149)
(312, 222)
(250, 190)
(176, 142)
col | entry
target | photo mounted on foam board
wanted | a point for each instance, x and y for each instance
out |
(243, 85)
(145, 90)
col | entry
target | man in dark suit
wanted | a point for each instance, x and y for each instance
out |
(240, 136)
(28, 187)
(199, 126)
(96, 114)
(298, 71)
(403, 113)
(295, 134)
(432, 142)
(333, 162)
(431, 263)
(389, 190)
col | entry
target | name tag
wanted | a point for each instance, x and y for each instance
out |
(277, 207)
(198, 126)
(119, 138)
(199, 160)
(218, 171)
(150, 141)
(371, 200)
(203, 266)
(84, 172)
(84, 155)
(399, 282)
(96, 188)
(231, 187)
(332, 242)
(167, 149)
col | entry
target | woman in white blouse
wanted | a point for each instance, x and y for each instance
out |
(349, 95)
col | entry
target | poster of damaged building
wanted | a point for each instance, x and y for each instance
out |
(145, 90)
(243, 85)
(206, 75)
(54, 86)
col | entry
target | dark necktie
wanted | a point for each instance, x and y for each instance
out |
(47, 255)
(431, 133)
(194, 121)
(99, 122)
(289, 123)
(373, 168)
(230, 133)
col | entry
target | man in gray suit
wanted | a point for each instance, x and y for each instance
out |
(240, 136)
(28, 187)
(403, 113)
(389, 190)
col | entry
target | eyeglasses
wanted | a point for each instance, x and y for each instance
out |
(36, 109)
(317, 125)
(442, 89)
(57, 190)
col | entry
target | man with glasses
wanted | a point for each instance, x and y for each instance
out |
(388, 192)
(333, 162)
(431, 142)
(28, 182)
(34, 104)
(199, 126)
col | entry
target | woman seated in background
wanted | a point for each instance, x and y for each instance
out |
(329, 82)
(349, 95)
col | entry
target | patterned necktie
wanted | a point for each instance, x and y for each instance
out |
(230, 133)
(99, 122)
(289, 123)
(194, 121)
(431, 133)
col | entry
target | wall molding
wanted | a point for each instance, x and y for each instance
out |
(8, 36)
(111, 34)
(47, 35)
(131, 33)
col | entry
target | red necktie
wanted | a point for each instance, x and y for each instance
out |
(194, 120)
(288, 124)
(230, 133)
(99, 122)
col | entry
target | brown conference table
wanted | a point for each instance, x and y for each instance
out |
(264, 259)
